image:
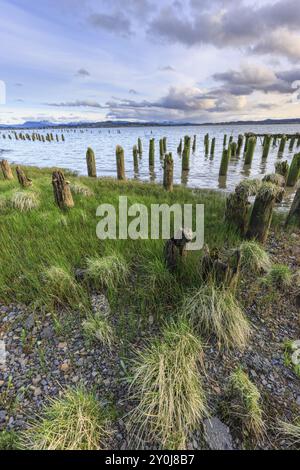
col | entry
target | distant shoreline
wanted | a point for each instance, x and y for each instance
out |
(125, 124)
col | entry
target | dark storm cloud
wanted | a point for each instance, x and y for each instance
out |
(237, 25)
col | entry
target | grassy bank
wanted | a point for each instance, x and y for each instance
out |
(174, 348)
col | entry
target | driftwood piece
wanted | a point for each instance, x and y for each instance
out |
(22, 178)
(6, 170)
(62, 192)
(175, 248)
(294, 214)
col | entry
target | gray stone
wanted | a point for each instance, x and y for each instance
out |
(217, 435)
(29, 323)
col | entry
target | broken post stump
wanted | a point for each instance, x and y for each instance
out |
(62, 192)
(294, 214)
(6, 170)
(294, 171)
(261, 216)
(22, 178)
(175, 248)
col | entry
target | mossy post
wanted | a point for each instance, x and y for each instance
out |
(282, 168)
(212, 148)
(168, 172)
(22, 178)
(161, 148)
(239, 144)
(230, 139)
(165, 144)
(151, 153)
(292, 144)
(237, 207)
(224, 162)
(179, 148)
(194, 144)
(6, 170)
(251, 144)
(282, 145)
(261, 216)
(62, 137)
(267, 146)
(91, 163)
(294, 214)
(233, 149)
(206, 144)
(225, 140)
(246, 145)
(120, 163)
(294, 171)
(275, 141)
(135, 158)
(186, 154)
(298, 142)
(140, 146)
(62, 192)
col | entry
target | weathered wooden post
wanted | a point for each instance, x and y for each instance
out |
(151, 153)
(223, 271)
(282, 168)
(294, 171)
(120, 163)
(292, 143)
(240, 144)
(179, 148)
(294, 214)
(212, 148)
(175, 248)
(6, 170)
(62, 192)
(206, 144)
(22, 178)
(225, 140)
(194, 144)
(298, 141)
(237, 207)
(251, 144)
(135, 158)
(233, 149)
(168, 172)
(62, 137)
(261, 216)
(140, 146)
(91, 163)
(186, 153)
(165, 144)
(267, 146)
(161, 148)
(224, 162)
(282, 146)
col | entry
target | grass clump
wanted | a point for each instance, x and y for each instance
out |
(9, 440)
(24, 201)
(75, 421)
(291, 430)
(279, 276)
(215, 311)
(85, 191)
(245, 403)
(61, 289)
(107, 272)
(168, 386)
(98, 328)
(254, 258)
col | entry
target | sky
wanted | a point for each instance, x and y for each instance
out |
(149, 60)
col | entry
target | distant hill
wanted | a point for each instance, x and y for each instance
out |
(112, 124)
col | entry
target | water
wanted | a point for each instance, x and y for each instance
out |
(204, 171)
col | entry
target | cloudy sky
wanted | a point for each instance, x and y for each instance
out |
(179, 60)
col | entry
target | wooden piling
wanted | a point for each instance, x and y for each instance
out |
(224, 162)
(91, 163)
(151, 153)
(168, 172)
(120, 163)
(6, 170)
(62, 192)
(22, 178)
(294, 171)
(251, 144)
(294, 214)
